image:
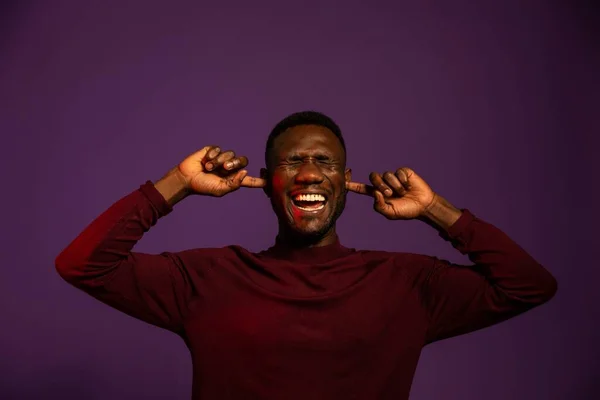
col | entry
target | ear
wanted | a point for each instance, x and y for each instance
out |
(348, 175)
(267, 187)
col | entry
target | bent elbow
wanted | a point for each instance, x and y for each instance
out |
(549, 288)
(537, 288)
(543, 287)
(67, 266)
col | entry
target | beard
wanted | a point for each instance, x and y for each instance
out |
(311, 231)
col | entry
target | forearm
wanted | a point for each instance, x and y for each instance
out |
(440, 214)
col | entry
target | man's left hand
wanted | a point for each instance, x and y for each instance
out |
(398, 195)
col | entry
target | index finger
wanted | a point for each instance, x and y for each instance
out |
(252, 182)
(360, 188)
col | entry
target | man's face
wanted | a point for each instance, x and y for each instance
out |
(306, 180)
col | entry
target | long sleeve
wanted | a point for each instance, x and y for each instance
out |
(504, 281)
(152, 288)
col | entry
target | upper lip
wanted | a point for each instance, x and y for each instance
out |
(297, 192)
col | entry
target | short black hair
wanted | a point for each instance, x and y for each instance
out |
(303, 118)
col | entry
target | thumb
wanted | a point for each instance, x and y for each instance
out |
(199, 154)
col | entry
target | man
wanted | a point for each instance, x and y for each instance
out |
(307, 318)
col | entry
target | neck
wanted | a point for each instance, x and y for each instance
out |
(305, 250)
(294, 240)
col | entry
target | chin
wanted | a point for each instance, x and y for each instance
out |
(309, 233)
(309, 227)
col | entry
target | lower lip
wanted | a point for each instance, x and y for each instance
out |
(310, 212)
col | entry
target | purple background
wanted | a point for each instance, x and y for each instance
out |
(495, 106)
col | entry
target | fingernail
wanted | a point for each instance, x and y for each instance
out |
(388, 192)
(209, 166)
(228, 165)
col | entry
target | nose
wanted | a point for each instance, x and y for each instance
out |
(309, 173)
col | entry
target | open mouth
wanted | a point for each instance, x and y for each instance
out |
(309, 202)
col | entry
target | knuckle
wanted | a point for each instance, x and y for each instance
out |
(375, 178)
(225, 156)
(388, 176)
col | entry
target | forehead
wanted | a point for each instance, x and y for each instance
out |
(306, 140)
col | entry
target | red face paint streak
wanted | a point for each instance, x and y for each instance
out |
(277, 184)
(278, 191)
(297, 213)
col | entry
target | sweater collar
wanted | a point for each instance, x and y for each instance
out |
(307, 255)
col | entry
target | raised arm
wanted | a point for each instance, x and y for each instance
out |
(155, 288)
(503, 282)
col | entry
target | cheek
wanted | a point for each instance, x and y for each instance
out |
(296, 213)
(277, 184)
(278, 190)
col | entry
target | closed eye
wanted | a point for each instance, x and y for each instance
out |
(321, 159)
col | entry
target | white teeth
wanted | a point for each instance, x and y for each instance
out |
(309, 197)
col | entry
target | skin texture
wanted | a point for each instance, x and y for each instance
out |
(209, 172)
(307, 157)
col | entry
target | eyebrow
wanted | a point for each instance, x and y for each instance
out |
(316, 154)
(319, 155)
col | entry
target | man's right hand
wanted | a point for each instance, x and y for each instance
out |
(208, 172)
(212, 172)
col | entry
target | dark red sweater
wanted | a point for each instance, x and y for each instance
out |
(321, 323)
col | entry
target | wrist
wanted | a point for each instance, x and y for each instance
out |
(440, 213)
(173, 186)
